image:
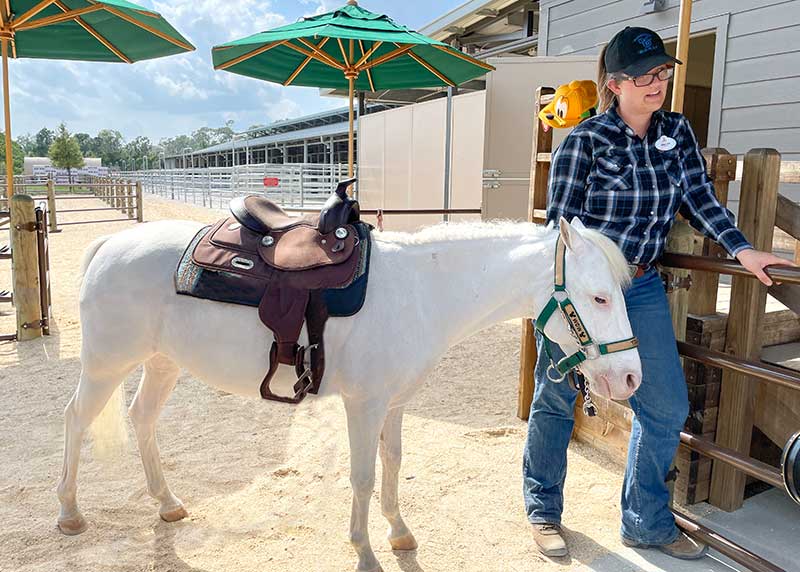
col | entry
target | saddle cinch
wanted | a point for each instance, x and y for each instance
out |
(290, 262)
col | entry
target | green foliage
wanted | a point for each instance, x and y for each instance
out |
(17, 152)
(42, 141)
(110, 146)
(64, 152)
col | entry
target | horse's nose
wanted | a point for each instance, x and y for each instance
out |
(633, 381)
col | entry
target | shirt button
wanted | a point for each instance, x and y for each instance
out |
(629, 132)
(652, 212)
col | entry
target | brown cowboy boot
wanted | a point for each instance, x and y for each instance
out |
(683, 547)
(548, 539)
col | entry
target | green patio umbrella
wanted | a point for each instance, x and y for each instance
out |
(349, 47)
(90, 30)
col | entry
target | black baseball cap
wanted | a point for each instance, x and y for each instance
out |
(635, 51)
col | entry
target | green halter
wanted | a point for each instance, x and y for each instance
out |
(559, 300)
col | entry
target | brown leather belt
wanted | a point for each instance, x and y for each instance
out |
(638, 270)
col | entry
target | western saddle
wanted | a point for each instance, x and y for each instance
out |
(294, 259)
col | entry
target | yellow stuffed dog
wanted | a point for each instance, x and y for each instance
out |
(572, 103)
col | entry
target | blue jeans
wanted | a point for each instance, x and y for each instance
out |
(660, 409)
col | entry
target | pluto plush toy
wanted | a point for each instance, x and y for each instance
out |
(572, 103)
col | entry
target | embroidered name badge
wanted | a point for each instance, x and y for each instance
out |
(665, 143)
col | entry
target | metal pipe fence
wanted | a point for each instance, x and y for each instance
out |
(300, 185)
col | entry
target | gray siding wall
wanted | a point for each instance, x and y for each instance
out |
(756, 99)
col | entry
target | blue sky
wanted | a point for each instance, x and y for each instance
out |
(169, 96)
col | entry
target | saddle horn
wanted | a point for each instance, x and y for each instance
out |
(341, 188)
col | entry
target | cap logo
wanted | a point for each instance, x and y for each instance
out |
(646, 41)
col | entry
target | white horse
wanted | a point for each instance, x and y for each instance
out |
(427, 291)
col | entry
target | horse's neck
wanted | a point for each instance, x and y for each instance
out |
(472, 284)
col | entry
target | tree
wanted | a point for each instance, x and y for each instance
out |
(28, 144)
(17, 152)
(65, 153)
(86, 144)
(108, 145)
(44, 138)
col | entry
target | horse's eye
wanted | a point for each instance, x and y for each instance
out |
(601, 301)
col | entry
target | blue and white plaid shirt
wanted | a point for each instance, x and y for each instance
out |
(630, 190)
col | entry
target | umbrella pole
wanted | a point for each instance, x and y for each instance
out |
(350, 139)
(682, 49)
(7, 110)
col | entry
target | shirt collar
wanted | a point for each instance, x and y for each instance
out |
(619, 123)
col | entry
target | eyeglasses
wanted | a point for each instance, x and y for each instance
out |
(647, 78)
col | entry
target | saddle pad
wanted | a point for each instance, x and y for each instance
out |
(222, 282)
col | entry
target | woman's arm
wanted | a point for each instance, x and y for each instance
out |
(706, 214)
(569, 169)
(700, 205)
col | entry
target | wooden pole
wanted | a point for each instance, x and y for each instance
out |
(351, 76)
(25, 268)
(757, 205)
(721, 170)
(51, 205)
(7, 111)
(350, 146)
(679, 82)
(130, 192)
(537, 200)
(139, 205)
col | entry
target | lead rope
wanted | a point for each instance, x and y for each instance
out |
(589, 408)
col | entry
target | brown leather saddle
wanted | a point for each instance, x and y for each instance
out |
(297, 258)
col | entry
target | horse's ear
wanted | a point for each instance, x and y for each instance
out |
(571, 236)
(576, 223)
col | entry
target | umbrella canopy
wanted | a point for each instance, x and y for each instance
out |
(89, 30)
(349, 47)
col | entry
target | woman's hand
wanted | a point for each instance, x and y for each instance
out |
(756, 260)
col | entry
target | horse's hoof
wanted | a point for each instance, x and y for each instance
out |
(174, 515)
(73, 525)
(405, 542)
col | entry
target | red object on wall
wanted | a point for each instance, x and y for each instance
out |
(271, 181)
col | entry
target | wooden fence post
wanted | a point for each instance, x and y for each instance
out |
(139, 205)
(680, 241)
(721, 170)
(537, 200)
(129, 198)
(25, 267)
(757, 204)
(51, 205)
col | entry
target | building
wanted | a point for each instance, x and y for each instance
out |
(42, 168)
(318, 138)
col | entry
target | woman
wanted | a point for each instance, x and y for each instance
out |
(627, 172)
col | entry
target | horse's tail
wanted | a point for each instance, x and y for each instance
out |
(108, 431)
(89, 254)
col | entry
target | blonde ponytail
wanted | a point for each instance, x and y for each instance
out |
(607, 97)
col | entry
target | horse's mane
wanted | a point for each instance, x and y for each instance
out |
(462, 231)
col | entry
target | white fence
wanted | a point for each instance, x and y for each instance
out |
(291, 185)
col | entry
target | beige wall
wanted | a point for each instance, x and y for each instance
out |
(402, 158)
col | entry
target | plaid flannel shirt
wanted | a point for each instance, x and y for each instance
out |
(629, 190)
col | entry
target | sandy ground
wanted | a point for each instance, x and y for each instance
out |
(266, 484)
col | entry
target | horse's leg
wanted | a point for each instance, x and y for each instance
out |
(93, 392)
(158, 381)
(364, 421)
(391, 453)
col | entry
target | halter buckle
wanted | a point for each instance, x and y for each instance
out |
(591, 351)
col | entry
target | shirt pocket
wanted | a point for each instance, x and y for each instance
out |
(611, 186)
